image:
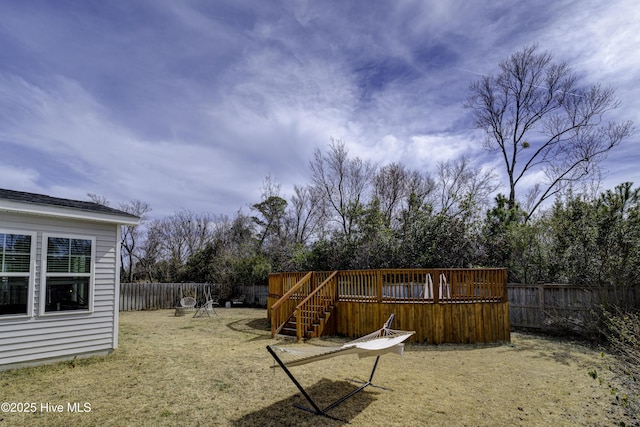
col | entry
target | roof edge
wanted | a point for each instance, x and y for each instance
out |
(70, 213)
(38, 204)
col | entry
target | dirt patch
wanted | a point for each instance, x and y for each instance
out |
(216, 371)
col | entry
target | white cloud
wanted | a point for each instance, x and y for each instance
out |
(24, 179)
(433, 149)
(71, 127)
(191, 105)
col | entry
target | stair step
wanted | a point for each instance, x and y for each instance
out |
(321, 314)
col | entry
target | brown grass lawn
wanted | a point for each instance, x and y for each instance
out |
(180, 371)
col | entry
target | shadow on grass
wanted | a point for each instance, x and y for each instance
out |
(541, 346)
(560, 349)
(259, 327)
(441, 348)
(283, 413)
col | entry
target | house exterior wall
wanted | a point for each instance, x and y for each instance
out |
(41, 336)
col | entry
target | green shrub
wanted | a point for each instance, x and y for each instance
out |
(623, 334)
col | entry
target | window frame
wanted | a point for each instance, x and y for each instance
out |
(44, 275)
(31, 274)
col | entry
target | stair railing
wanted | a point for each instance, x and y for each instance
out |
(319, 301)
(283, 309)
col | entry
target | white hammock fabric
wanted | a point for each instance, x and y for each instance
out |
(377, 343)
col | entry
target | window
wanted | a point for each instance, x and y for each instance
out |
(68, 274)
(15, 272)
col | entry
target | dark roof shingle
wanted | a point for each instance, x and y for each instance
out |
(41, 199)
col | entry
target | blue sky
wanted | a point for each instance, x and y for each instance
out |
(191, 104)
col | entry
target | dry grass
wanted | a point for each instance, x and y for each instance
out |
(173, 371)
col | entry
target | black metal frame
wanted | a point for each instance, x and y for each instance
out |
(315, 409)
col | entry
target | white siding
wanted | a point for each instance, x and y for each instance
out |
(37, 338)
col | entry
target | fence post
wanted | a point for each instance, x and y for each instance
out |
(505, 277)
(541, 303)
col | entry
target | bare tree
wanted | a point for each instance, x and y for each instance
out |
(462, 186)
(305, 216)
(132, 236)
(173, 239)
(132, 251)
(540, 120)
(343, 183)
(390, 187)
(150, 253)
(100, 200)
(421, 187)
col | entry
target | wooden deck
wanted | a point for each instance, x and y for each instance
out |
(440, 305)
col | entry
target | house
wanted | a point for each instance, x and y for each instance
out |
(59, 278)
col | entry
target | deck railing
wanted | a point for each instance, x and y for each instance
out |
(297, 295)
(424, 286)
(315, 305)
(282, 310)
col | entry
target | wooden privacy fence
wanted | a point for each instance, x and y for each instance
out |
(155, 296)
(529, 306)
(441, 305)
(559, 306)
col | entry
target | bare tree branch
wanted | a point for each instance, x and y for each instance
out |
(540, 120)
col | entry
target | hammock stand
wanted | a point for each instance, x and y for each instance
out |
(392, 342)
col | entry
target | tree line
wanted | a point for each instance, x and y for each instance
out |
(357, 216)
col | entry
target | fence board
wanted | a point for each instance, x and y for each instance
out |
(540, 306)
(154, 296)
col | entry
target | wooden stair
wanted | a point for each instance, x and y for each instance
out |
(306, 302)
(290, 327)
